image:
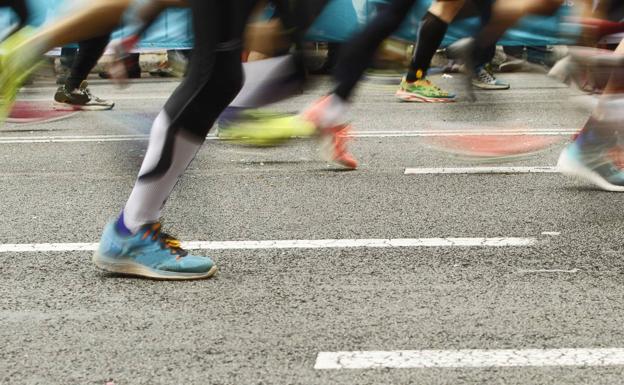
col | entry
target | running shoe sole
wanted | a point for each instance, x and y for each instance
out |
(411, 97)
(573, 168)
(129, 267)
(76, 107)
(484, 86)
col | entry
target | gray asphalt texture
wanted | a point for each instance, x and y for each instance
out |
(267, 313)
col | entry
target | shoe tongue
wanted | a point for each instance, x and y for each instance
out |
(83, 85)
(488, 77)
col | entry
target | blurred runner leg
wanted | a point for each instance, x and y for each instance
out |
(593, 156)
(329, 113)
(415, 87)
(74, 93)
(134, 243)
(271, 80)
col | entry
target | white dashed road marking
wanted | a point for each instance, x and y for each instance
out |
(403, 359)
(294, 244)
(357, 134)
(480, 170)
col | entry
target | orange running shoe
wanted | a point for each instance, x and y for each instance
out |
(333, 138)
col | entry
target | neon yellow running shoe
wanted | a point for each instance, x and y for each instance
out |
(423, 91)
(17, 63)
(265, 129)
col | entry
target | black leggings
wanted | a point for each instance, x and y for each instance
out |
(89, 52)
(359, 52)
(214, 77)
(214, 74)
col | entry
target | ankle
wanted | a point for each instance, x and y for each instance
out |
(121, 227)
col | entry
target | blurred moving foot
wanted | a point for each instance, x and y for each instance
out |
(462, 51)
(422, 90)
(511, 64)
(162, 70)
(484, 79)
(133, 73)
(588, 78)
(132, 68)
(592, 164)
(80, 98)
(333, 138)
(149, 253)
(174, 66)
(17, 63)
(260, 128)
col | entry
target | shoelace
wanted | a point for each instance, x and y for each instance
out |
(429, 84)
(87, 92)
(486, 75)
(166, 240)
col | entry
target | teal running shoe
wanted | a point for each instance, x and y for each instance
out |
(149, 253)
(592, 165)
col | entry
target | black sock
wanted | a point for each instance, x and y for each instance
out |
(430, 34)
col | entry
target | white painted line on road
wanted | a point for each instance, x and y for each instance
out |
(404, 359)
(551, 233)
(360, 134)
(115, 97)
(550, 271)
(72, 138)
(480, 170)
(476, 130)
(293, 244)
(365, 243)
(467, 132)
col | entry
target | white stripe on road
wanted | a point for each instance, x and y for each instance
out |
(537, 271)
(115, 97)
(361, 134)
(485, 130)
(293, 244)
(70, 139)
(464, 132)
(402, 359)
(481, 170)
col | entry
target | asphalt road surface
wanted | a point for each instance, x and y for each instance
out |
(270, 311)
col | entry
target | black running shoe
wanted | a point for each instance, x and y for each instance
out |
(80, 99)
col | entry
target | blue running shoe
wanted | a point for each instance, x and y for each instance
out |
(149, 253)
(592, 165)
